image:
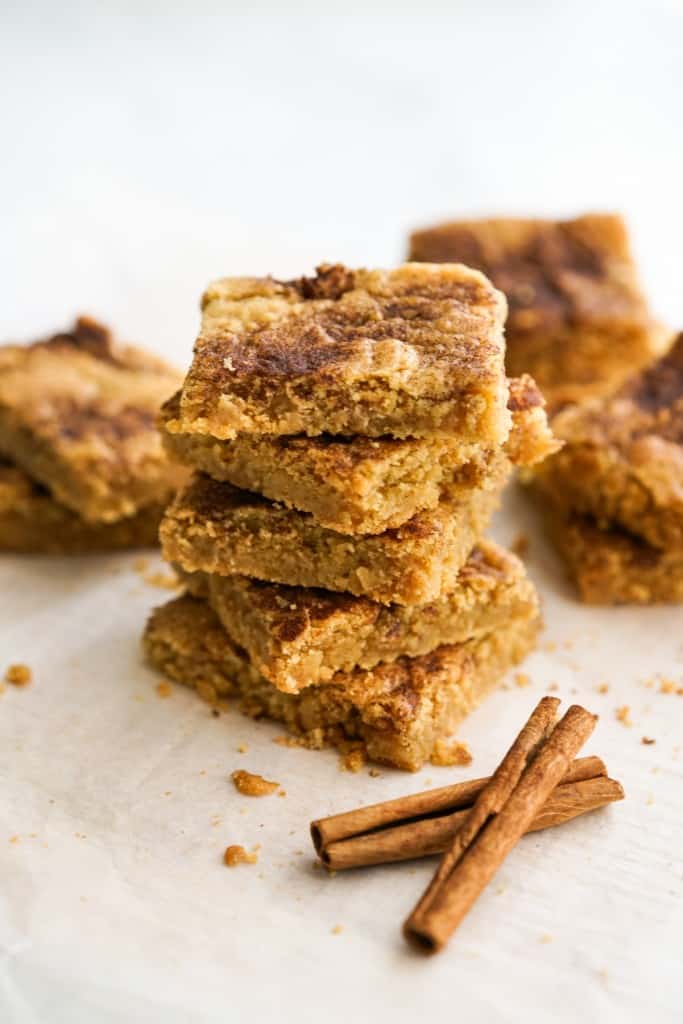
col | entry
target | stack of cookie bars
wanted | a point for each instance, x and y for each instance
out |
(350, 435)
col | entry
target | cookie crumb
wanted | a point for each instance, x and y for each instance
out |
(163, 580)
(249, 784)
(447, 755)
(215, 713)
(338, 929)
(141, 564)
(647, 741)
(18, 675)
(553, 688)
(374, 773)
(164, 689)
(602, 688)
(242, 748)
(667, 686)
(545, 938)
(624, 715)
(352, 761)
(522, 679)
(235, 855)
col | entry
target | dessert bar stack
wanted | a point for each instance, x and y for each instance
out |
(614, 493)
(578, 319)
(350, 435)
(82, 468)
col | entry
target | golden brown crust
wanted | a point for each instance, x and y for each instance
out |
(415, 351)
(216, 528)
(578, 320)
(612, 566)
(32, 522)
(358, 484)
(622, 461)
(398, 710)
(77, 412)
(298, 637)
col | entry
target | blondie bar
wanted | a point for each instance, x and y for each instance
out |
(398, 710)
(32, 522)
(578, 320)
(612, 566)
(358, 484)
(77, 413)
(412, 352)
(622, 461)
(216, 528)
(298, 637)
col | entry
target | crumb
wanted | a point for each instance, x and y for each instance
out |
(168, 792)
(545, 938)
(282, 792)
(667, 686)
(520, 545)
(317, 865)
(568, 645)
(242, 749)
(215, 713)
(624, 715)
(446, 755)
(500, 889)
(18, 675)
(522, 679)
(550, 646)
(374, 773)
(352, 761)
(164, 689)
(235, 855)
(2, 688)
(337, 930)
(602, 688)
(14, 839)
(288, 741)
(252, 785)
(553, 688)
(141, 564)
(647, 741)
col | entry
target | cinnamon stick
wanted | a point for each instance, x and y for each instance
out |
(502, 813)
(431, 835)
(443, 800)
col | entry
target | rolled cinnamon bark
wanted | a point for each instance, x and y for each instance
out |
(428, 836)
(502, 813)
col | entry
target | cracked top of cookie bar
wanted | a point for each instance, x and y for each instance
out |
(410, 352)
(78, 411)
(555, 274)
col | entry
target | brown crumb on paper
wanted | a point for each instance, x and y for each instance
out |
(164, 689)
(18, 675)
(249, 784)
(647, 741)
(447, 755)
(352, 761)
(624, 715)
(545, 938)
(235, 855)
(603, 688)
(522, 679)
(338, 929)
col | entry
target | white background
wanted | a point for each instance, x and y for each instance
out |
(145, 150)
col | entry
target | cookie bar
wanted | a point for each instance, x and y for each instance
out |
(622, 460)
(412, 352)
(611, 566)
(77, 413)
(578, 320)
(216, 528)
(398, 710)
(32, 522)
(359, 484)
(298, 637)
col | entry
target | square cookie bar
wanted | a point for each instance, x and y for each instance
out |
(77, 413)
(32, 522)
(298, 637)
(412, 352)
(399, 711)
(216, 528)
(578, 320)
(622, 460)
